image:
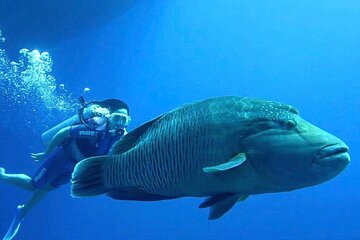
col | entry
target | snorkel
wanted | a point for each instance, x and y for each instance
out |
(91, 110)
(108, 111)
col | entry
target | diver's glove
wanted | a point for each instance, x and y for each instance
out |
(15, 223)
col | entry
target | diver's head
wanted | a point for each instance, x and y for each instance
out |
(119, 113)
(115, 110)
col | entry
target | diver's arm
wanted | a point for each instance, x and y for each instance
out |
(59, 138)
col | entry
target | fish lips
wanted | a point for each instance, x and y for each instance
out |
(333, 155)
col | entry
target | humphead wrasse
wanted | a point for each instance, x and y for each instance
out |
(224, 149)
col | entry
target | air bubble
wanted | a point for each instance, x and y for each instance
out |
(2, 38)
(45, 56)
(27, 83)
(24, 51)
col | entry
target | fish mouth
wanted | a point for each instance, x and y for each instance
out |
(333, 153)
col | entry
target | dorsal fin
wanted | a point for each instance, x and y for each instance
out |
(131, 139)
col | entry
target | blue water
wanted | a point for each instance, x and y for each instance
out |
(161, 54)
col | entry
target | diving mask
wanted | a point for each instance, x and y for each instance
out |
(122, 120)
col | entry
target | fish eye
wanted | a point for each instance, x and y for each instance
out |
(290, 123)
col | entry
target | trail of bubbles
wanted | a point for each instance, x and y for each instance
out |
(2, 38)
(29, 92)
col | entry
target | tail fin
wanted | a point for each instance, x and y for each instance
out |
(87, 178)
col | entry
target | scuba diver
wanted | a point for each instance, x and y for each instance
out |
(91, 132)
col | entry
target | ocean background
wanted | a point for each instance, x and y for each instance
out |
(158, 55)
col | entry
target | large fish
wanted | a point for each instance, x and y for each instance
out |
(224, 148)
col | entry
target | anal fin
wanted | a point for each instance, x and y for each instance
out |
(221, 204)
(210, 201)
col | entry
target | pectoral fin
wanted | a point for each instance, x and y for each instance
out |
(233, 163)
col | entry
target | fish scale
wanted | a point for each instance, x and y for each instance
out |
(166, 169)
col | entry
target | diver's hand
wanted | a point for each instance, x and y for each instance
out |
(38, 156)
